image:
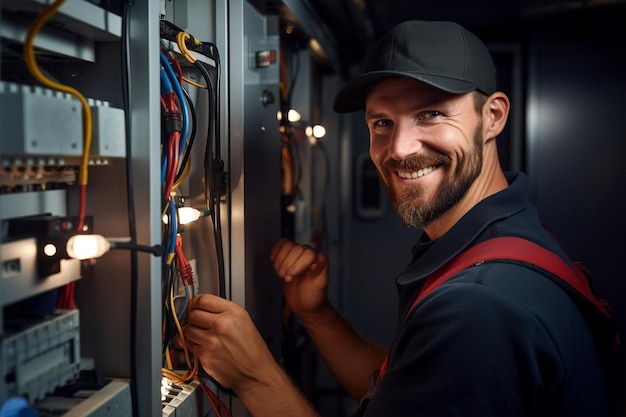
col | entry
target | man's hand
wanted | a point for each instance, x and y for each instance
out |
(226, 342)
(231, 350)
(304, 275)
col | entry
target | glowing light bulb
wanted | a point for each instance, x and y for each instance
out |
(319, 131)
(293, 115)
(87, 246)
(50, 249)
(314, 133)
(187, 215)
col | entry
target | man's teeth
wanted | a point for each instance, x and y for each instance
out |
(415, 174)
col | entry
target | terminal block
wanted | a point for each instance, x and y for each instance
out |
(40, 357)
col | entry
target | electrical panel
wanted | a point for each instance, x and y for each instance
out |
(89, 146)
(54, 130)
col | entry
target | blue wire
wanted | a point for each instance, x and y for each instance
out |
(181, 99)
(166, 85)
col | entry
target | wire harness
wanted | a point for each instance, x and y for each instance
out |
(178, 137)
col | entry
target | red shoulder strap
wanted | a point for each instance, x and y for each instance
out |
(515, 249)
(508, 248)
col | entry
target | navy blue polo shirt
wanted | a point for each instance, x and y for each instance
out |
(498, 339)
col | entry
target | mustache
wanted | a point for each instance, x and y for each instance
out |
(415, 162)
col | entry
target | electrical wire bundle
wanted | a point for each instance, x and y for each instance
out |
(178, 136)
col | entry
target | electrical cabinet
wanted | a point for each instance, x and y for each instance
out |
(110, 53)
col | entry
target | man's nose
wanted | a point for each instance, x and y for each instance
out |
(404, 141)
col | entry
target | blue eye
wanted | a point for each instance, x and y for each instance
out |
(430, 114)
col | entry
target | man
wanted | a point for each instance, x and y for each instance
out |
(497, 339)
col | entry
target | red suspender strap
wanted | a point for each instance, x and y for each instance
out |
(514, 249)
(508, 248)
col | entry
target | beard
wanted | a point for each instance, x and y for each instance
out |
(452, 189)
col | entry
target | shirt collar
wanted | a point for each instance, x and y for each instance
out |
(473, 227)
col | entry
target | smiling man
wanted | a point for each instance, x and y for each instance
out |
(499, 338)
(436, 155)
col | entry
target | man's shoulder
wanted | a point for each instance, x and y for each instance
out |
(507, 295)
(513, 284)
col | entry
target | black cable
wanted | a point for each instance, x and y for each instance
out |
(216, 57)
(218, 151)
(132, 222)
(169, 277)
(192, 135)
(167, 281)
(156, 250)
(212, 183)
(218, 155)
(209, 171)
(166, 284)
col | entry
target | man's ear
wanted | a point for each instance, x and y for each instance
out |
(495, 114)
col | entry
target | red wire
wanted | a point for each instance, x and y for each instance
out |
(174, 63)
(172, 163)
(172, 151)
(65, 296)
(179, 70)
(212, 397)
(209, 396)
(186, 273)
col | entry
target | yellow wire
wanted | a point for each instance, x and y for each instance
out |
(176, 377)
(31, 64)
(178, 327)
(180, 40)
(193, 368)
(168, 359)
(188, 81)
(185, 174)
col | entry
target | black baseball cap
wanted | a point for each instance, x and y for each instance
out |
(442, 54)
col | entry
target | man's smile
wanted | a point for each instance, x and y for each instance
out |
(415, 174)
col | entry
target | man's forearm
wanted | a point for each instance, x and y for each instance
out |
(351, 357)
(275, 395)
